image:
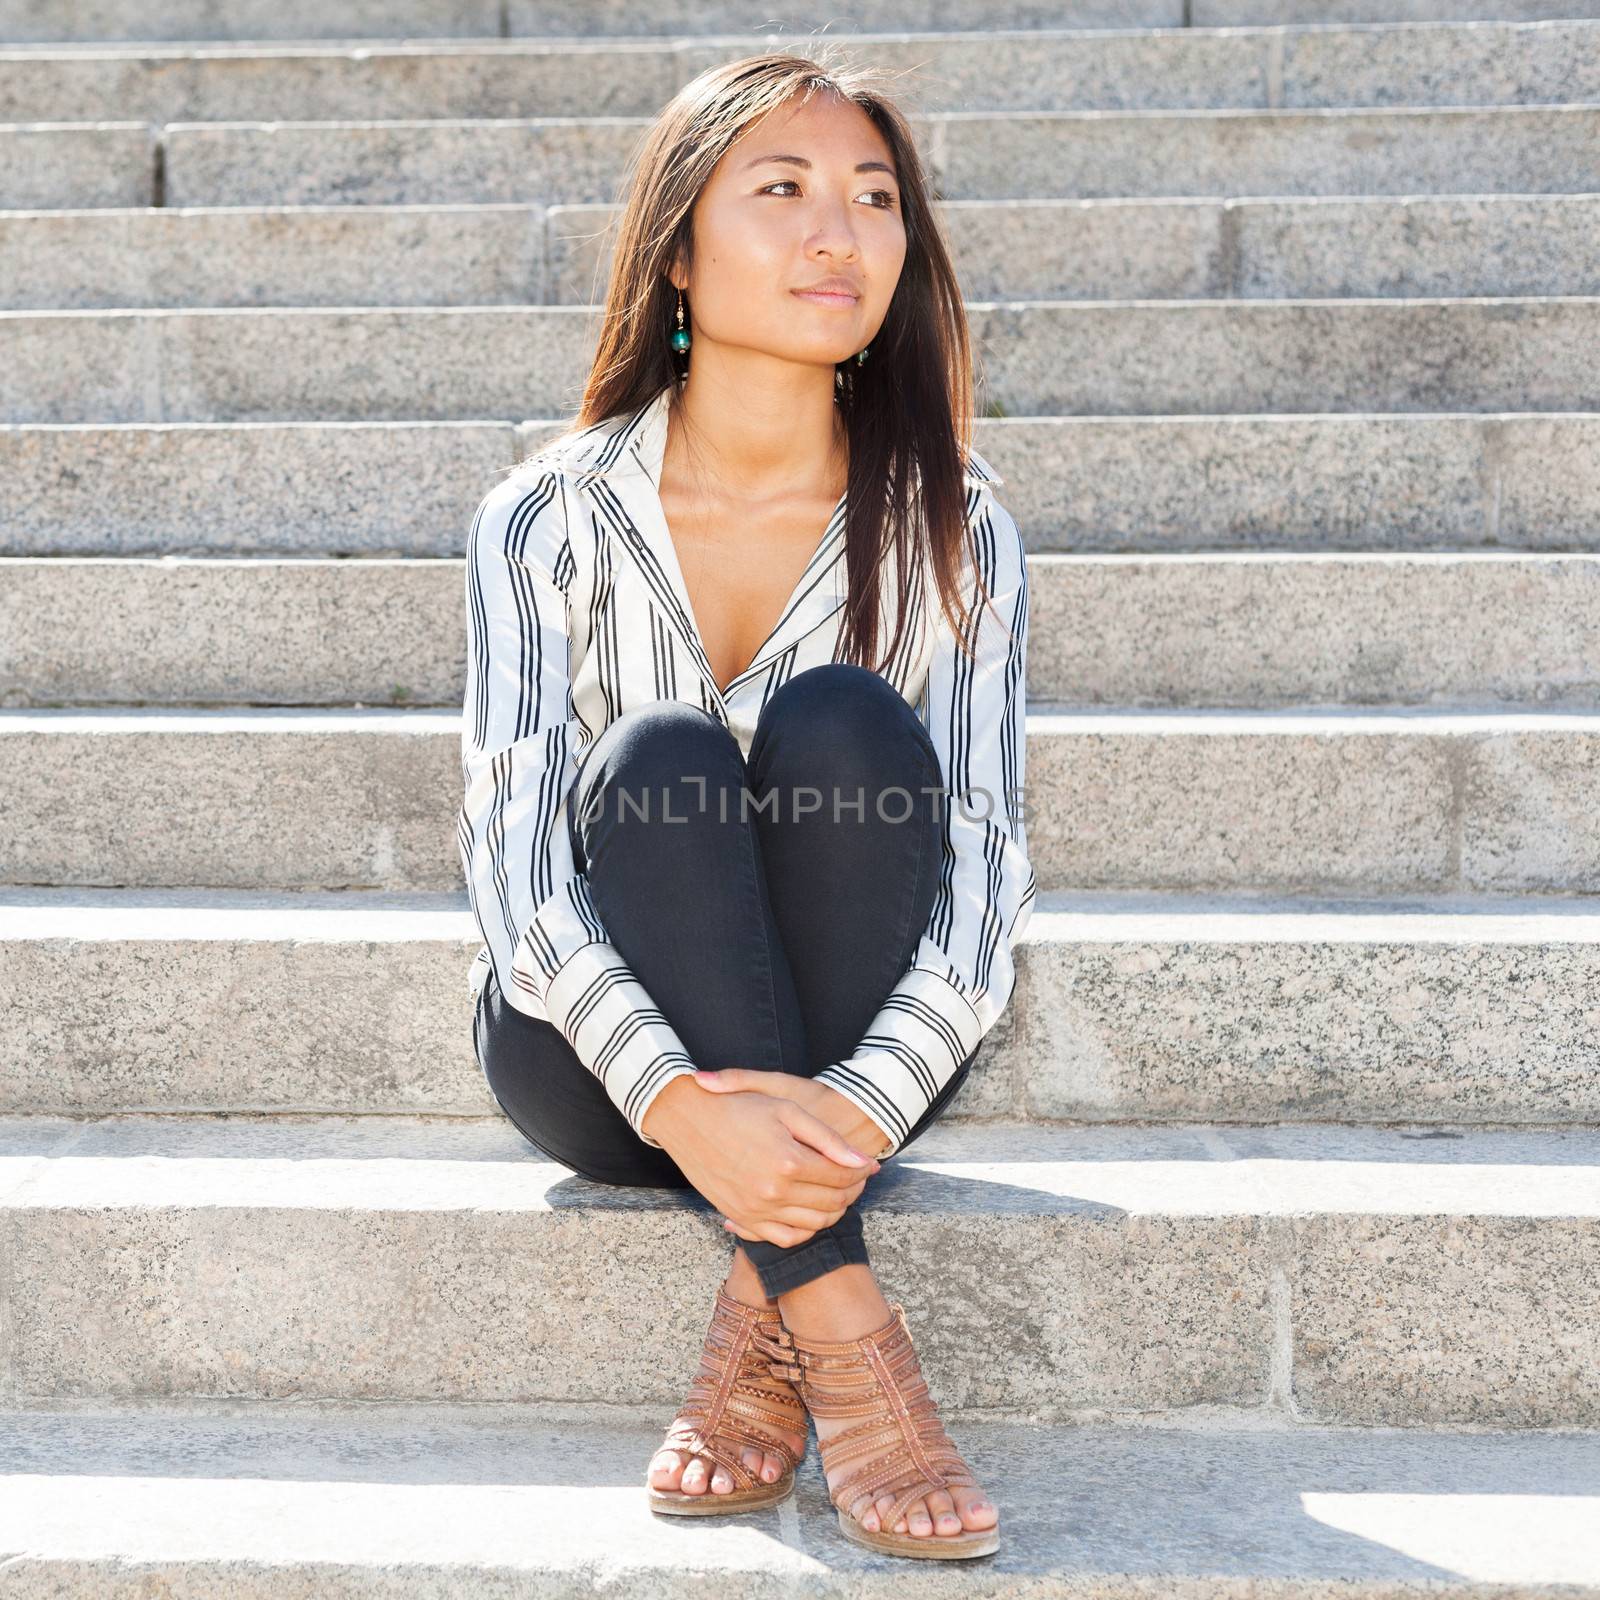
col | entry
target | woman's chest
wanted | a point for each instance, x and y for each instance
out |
(723, 628)
(740, 567)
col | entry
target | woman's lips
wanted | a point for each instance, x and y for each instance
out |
(822, 299)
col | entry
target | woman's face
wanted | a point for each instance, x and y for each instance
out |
(805, 194)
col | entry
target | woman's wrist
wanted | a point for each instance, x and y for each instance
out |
(852, 1124)
(668, 1113)
(681, 1105)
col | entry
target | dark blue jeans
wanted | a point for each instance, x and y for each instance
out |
(768, 931)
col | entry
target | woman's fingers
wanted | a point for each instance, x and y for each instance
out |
(795, 1186)
(810, 1217)
(788, 1237)
(816, 1133)
(733, 1080)
(773, 1233)
(819, 1196)
(794, 1228)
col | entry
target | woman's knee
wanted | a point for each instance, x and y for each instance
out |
(636, 766)
(844, 707)
(839, 692)
(852, 727)
(659, 737)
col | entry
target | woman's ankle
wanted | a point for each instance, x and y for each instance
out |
(843, 1304)
(743, 1283)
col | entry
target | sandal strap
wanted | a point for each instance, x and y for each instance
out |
(898, 1445)
(735, 1399)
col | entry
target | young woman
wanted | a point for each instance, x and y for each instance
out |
(742, 745)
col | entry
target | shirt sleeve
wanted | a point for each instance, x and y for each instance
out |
(520, 743)
(962, 973)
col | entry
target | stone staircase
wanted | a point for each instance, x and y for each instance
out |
(1262, 1254)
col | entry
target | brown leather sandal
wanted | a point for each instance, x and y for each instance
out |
(736, 1399)
(879, 1379)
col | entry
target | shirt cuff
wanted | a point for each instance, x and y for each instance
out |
(920, 1036)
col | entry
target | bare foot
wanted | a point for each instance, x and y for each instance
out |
(847, 1304)
(679, 1470)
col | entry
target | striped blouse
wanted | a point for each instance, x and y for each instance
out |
(576, 612)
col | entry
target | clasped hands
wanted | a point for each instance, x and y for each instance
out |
(779, 1156)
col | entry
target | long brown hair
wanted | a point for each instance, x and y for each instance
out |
(907, 410)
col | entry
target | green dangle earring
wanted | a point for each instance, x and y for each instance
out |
(838, 372)
(680, 338)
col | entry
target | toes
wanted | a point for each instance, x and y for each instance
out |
(943, 1511)
(692, 1474)
(920, 1522)
(976, 1510)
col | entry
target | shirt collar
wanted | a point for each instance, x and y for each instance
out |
(617, 468)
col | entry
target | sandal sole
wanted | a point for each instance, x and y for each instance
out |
(721, 1505)
(936, 1547)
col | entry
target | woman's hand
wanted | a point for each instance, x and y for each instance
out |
(774, 1169)
(843, 1115)
(824, 1102)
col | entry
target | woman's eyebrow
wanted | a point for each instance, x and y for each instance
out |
(800, 161)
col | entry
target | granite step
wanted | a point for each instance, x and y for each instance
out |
(1039, 69)
(976, 155)
(1383, 1276)
(1041, 358)
(49, 23)
(1398, 800)
(1298, 13)
(45, 22)
(1318, 484)
(1255, 629)
(49, 165)
(273, 1502)
(1446, 1009)
(1375, 246)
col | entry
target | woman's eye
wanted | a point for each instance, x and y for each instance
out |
(793, 183)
